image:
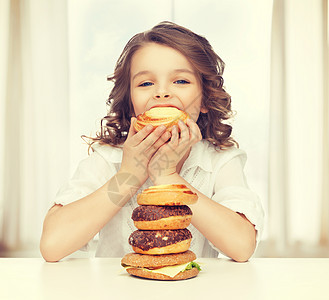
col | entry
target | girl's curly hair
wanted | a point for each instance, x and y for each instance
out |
(209, 67)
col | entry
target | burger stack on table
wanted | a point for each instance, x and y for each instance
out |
(162, 241)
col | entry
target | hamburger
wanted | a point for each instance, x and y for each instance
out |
(156, 217)
(157, 242)
(161, 115)
(161, 243)
(162, 267)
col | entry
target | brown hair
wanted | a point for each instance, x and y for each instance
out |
(207, 63)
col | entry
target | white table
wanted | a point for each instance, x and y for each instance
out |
(103, 278)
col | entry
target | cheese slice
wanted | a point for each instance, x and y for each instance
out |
(170, 271)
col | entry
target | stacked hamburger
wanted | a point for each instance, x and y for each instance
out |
(162, 240)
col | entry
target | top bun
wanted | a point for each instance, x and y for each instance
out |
(167, 194)
(161, 115)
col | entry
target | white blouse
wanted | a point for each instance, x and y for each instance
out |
(217, 174)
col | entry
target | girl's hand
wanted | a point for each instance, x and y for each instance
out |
(165, 160)
(138, 149)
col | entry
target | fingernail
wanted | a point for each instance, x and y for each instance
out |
(149, 127)
(162, 128)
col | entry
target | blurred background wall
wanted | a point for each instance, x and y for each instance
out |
(56, 56)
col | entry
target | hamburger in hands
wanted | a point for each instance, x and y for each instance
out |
(161, 115)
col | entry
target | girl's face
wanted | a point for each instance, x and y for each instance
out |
(162, 76)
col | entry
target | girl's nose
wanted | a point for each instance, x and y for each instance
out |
(162, 95)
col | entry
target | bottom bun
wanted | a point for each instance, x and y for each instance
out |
(146, 274)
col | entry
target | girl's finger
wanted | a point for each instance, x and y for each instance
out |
(148, 143)
(132, 130)
(184, 132)
(194, 131)
(141, 135)
(161, 141)
(174, 136)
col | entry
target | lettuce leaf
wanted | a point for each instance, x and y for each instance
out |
(191, 265)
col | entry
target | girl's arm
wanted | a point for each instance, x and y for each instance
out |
(67, 228)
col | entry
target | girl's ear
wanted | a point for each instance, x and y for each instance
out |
(204, 110)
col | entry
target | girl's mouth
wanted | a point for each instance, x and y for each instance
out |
(164, 105)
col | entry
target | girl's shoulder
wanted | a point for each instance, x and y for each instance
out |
(109, 153)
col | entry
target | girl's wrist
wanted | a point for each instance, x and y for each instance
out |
(127, 175)
(172, 178)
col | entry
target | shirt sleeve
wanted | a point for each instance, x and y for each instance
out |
(231, 190)
(91, 174)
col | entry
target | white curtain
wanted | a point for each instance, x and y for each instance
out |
(299, 135)
(34, 115)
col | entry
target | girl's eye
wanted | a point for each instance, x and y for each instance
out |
(181, 81)
(146, 84)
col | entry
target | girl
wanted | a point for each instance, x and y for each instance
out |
(166, 66)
